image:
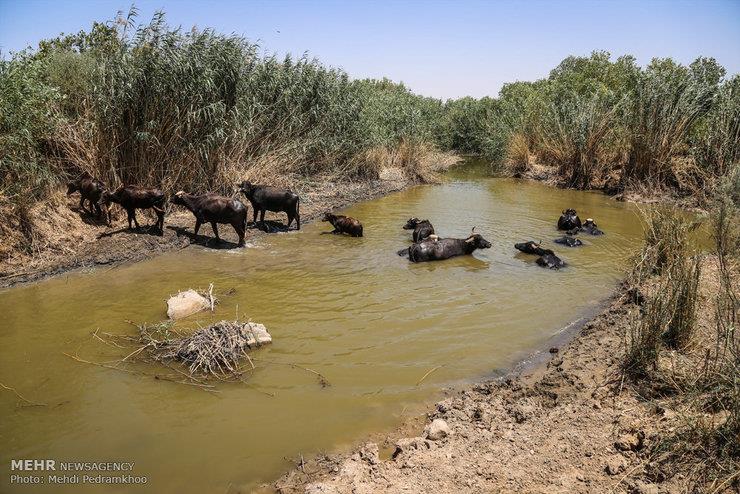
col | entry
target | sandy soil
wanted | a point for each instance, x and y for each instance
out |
(571, 425)
(66, 238)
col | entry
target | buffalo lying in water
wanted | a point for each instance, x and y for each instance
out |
(132, 197)
(214, 209)
(91, 189)
(589, 226)
(434, 249)
(550, 261)
(568, 241)
(343, 224)
(422, 228)
(547, 258)
(267, 198)
(569, 220)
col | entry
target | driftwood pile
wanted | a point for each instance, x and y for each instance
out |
(217, 350)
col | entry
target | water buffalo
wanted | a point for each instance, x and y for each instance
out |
(568, 241)
(547, 257)
(265, 198)
(422, 228)
(531, 247)
(434, 249)
(90, 189)
(343, 224)
(132, 197)
(551, 261)
(405, 251)
(214, 209)
(569, 220)
(589, 226)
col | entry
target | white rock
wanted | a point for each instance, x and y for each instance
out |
(260, 333)
(437, 430)
(185, 304)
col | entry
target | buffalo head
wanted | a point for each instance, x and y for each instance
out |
(247, 188)
(477, 240)
(411, 223)
(178, 198)
(527, 247)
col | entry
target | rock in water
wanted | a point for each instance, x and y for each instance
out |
(257, 334)
(437, 430)
(186, 303)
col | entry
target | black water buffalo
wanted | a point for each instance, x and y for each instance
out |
(551, 261)
(265, 198)
(569, 220)
(547, 257)
(422, 228)
(568, 241)
(343, 224)
(531, 247)
(589, 226)
(434, 249)
(214, 209)
(132, 197)
(90, 189)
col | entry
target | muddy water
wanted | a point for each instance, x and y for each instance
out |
(370, 321)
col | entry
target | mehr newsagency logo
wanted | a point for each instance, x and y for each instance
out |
(50, 471)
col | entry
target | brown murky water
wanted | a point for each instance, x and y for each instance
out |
(370, 321)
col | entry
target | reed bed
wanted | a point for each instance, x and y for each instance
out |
(685, 360)
(145, 103)
(611, 124)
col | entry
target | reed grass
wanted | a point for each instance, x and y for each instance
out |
(694, 372)
(684, 284)
(145, 103)
(604, 123)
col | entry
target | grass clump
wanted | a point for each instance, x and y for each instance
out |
(690, 360)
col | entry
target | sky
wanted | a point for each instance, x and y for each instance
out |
(440, 48)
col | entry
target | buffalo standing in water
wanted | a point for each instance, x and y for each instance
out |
(90, 189)
(433, 249)
(422, 228)
(267, 198)
(214, 209)
(343, 224)
(547, 258)
(132, 197)
(569, 220)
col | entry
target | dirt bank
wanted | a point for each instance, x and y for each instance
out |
(66, 238)
(569, 425)
(636, 192)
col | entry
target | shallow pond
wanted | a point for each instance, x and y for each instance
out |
(350, 308)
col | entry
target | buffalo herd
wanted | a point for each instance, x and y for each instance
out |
(214, 209)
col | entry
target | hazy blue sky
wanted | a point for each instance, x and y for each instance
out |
(438, 47)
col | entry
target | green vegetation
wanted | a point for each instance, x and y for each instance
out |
(683, 365)
(611, 124)
(197, 110)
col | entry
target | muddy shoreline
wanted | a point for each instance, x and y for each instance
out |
(561, 420)
(89, 244)
(329, 472)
